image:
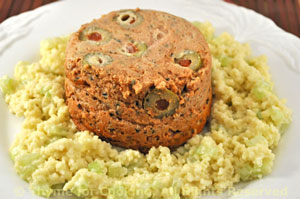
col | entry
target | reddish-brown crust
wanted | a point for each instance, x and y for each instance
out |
(108, 100)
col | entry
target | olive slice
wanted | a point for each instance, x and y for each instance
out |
(95, 34)
(161, 102)
(129, 18)
(97, 59)
(136, 49)
(190, 59)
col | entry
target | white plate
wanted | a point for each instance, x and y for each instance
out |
(20, 37)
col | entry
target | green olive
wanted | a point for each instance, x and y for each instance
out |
(136, 49)
(95, 34)
(97, 59)
(161, 102)
(190, 59)
(129, 18)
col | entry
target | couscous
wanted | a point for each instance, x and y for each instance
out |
(246, 124)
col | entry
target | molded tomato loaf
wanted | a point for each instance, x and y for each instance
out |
(139, 78)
